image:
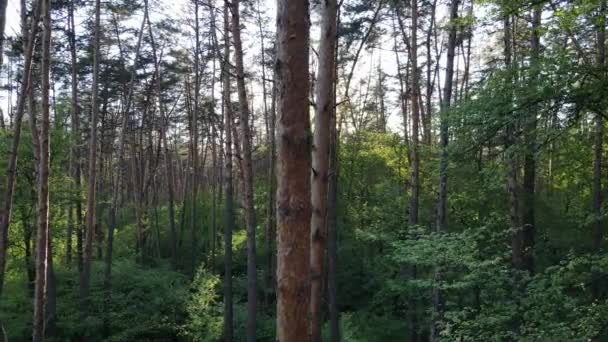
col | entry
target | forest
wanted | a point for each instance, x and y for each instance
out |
(303, 170)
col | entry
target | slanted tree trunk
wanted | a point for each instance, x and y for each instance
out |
(26, 84)
(320, 161)
(247, 173)
(293, 171)
(443, 164)
(228, 184)
(85, 279)
(43, 183)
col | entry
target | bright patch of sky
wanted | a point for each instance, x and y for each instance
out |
(379, 56)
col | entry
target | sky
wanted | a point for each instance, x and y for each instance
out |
(381, 55)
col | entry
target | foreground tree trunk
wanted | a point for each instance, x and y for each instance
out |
(293, 171)
(85, 278)
(247, 171)
(228, 184)
(7, 203)
(43, 183)
(320, 161)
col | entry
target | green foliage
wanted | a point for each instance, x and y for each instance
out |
(204, 308)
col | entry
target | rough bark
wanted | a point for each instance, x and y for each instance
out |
(320, 161)
(293, 171)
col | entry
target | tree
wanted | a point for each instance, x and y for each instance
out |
(42, 234)
(75, 151)
(293, 171)
(529, 176)
(598, 229)
(228, 184)
(5, 215)
(320, 161)
(85, 278)
(443, 163)
(247, 173)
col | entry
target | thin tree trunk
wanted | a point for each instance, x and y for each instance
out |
(443, 165)
(293, 171)
(194, 142)
(43, 183)
(598, 228)
(26, 84)
(415, 170)
(228, 184)
(332, 208)
(429, 82)
(511, 158)
(415, 156)
(529, 177)
(85, 278)
(320, 161)
(247, 174)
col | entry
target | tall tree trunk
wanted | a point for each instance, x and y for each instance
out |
(415, 156)
(26, 84)
(117, 181)
(293, 171)
(511, 159)
(598, 228)
(332, 209)
(332, 230)
(429, 79)
(443, 164)
(43, 183)
(228, 184)
(269, 117)
(167, 150)
(415, 168)
(247, 171)
(529, 177)
(85, 279)
(194, 141)
(320, 161)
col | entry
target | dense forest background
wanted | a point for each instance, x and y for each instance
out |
(206, 170)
